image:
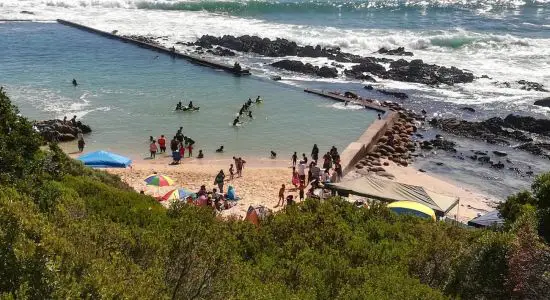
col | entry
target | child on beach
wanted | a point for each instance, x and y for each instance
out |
(190, 149)
(182, 151)
(153, 149)
(231, 172)
(281, 196)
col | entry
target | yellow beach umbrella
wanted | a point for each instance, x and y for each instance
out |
(412, 208)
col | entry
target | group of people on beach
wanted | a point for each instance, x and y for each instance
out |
(331, 171)
(216, 199)
(178, 145)
(246, 110)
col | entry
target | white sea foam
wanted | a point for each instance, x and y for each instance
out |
(502, 57)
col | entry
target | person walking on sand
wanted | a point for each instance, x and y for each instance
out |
(231, 172)
(153, 149)
(162, 144)
(240, 167)
(281, 196)
(219, 180)
(294, 159)
(81, 144)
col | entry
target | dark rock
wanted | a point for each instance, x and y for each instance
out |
(484, 159)
(422, 170)
(368, 87)
(543, 102)
(26, 12)
(219, 51)
(529, 124)
(300, 67)
(499, 153)
(398, 95)
(276, 78)
(529, 85)
(398, 51)
(351, 95)
(498, 165)
(57, 131)
(439, 163)
(468, 109)
(480, 153)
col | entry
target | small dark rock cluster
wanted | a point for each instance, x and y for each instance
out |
(307, 68)
(398, 51)
(59, 131)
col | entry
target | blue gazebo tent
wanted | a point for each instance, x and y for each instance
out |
(104, 159)
(488, 219)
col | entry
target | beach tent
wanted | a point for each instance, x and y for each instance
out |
(104, 159)
(412, 208)
(390, 191)
(255, 214)
(488, 219)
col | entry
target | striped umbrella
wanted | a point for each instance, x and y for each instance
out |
(159, 180)
(177, 194)
(412, 208)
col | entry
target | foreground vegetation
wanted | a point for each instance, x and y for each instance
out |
(70, 232)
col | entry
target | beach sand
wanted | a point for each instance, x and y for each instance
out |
(262, 179)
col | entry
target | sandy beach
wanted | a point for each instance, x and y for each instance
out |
(262, 179)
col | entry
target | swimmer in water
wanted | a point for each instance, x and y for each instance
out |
(190, 104)
(258, 99)
(249, 102)
(178, 106)
(219, 150)
(74, 82)
(236, 121)
(250, 114)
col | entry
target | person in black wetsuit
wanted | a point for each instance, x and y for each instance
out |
(74, 82)
(178, 106)
(236, 121)
(249, 102)
(190, 106)
(258, 100)
(250, 114)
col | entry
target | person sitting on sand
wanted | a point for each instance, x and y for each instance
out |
(273, 154)
(231, 194)
(236, 121)
(178, 106)
(220, 150)
(74, 82)
(290, 200)
(202, 191)
(281, 196)
(200, 154)
(153, 149)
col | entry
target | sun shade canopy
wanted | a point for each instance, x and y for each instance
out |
(390, 191)
(105, 159)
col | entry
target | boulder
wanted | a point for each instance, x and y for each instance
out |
(468, 109)
(398, 95)
(500, 153)
(543, 102)
(398, 51)
(300, 67)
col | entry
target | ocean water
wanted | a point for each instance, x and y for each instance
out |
(127, 94)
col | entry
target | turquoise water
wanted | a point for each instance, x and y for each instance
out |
(126, 94)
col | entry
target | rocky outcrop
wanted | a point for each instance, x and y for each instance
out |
(398, 95)
(307, 68)
(398, 51)
(543, 102)
(144, 39)
(529, 124)
(59, 131)
(413, 71)
(522, 84)
(468, 109)
(400, 70)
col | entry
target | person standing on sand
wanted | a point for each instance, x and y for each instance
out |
(182, 150)
(294, 159)
(174, 145)
(81, 144)
(304, 158)
(302, 172)
(190, 149)
(281, 196)
(338, 171)
(295, 178)
(153, 149)
(241, 164)
(219, 180)
(231, 172)
(162, 144)
(315, 153)
(301, 188)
